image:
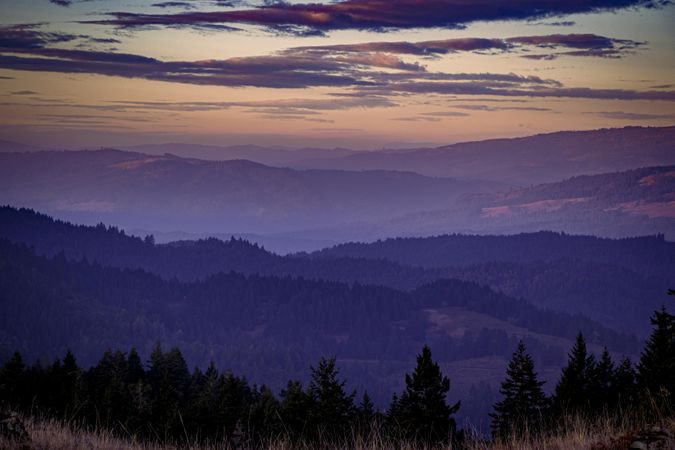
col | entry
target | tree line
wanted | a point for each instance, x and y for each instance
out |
(163, 401)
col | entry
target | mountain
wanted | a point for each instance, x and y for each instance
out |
(650, 255)
(271, 156)
(524, 161)
(169, 193)
(11, 146)
(621, 204)
(612, 281)
(192, 260)
(269, 328)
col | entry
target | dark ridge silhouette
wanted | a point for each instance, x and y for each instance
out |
(602, 279)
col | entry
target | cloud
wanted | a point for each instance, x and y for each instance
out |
(499, 108)
(380, 14)
(184, 5)
(482, 88)
(621, 115)
(24, 93)
(445, 114)
(417, 119)
(28, 36)
(585, 45)
(285, 106)
(562, 23)
(264, 71)
(62, 2)
(380, 74)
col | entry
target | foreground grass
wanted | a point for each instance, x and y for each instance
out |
(573, 434)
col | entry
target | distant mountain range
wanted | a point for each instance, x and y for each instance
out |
(542, 158)
(92, 288)
(631, 203)
(173, 193)
(613, 281)
(300, 209)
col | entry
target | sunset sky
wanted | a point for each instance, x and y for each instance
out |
(359, 73)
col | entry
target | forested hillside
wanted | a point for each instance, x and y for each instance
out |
(651, 255)
(612, 281)
(267, 328)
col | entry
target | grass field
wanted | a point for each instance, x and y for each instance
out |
(573, 434)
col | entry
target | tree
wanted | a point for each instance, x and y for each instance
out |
(656, 369)
(333, 409)
(169, 380)
(604, 383)
(12, 381)
(366, 414)
(295, 406)
(422, 413)
(573, 391)
(624, 379)
(523, 402)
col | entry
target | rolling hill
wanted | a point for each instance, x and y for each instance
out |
(612, 281)
(172, 193)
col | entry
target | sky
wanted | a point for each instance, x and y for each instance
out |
(364, 74)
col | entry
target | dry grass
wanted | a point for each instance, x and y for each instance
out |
(573, 434)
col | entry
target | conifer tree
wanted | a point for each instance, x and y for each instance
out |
(574, 390)
(366, 414)
(333, 409)
(12, 381)
(169, 379)
(71, 383)
(603, 383)
(295, 409)
(624, 381)
(523, 402)
(422, 413)
(656, 369)
(135, 372)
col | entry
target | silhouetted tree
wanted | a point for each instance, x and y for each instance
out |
(523, 401)
(13, 381)
(422, 412)
(295, 409)
(574, 390)
(624, 379)
(366, 415)
(656, 369)
(333, 410)
(604, 394)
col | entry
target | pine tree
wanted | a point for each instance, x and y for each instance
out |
(422, 413)
(169, 379)
(333, 409)
(604, 389)
(624, 380)
(71, 387)
(13, 382)
(656, 369)
(574, 390)
(295, 409)
(366, 414)
(523, 402)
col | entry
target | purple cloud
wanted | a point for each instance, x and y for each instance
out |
(622, 115)
(481, 88)
(586, 45)
(27, 48)
(62, 2)
(28, 36)
(380, 14)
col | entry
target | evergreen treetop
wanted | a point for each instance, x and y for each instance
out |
(523, 401)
